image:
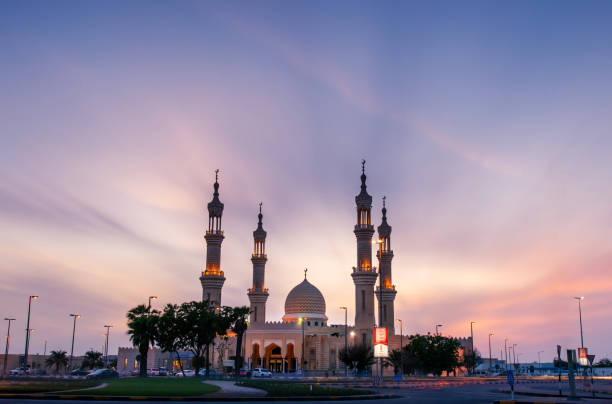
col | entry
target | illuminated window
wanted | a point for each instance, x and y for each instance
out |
(135, 363)
(125, 363)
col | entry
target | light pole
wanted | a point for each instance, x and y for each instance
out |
(27, 343)
(302, 320)
(45, 350)
(506, 351)
(540, 361)
(490, 358)
(580, 299)
(8, 340)
(345, 337)
(108, 327)
(151, 298)
(75, 316)
(472, 340)
(401, 344)
(438, 325)
(514, 354)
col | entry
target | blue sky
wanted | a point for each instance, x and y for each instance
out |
(486, 125)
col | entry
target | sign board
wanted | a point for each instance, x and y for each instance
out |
(381, 342)
(228, 363)
(582, 357)
(591, 359)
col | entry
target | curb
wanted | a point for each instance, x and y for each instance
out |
(192, 398)
(543, 394)
(526, 402)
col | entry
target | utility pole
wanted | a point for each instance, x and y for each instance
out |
(490, 358)
(27, 343)
(580, 299)
(108, 327)
(345, 337)
(473, 354)
(75, 316)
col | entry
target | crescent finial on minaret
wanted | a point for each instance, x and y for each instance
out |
(363, 166)
(305, 270)
(217, 175)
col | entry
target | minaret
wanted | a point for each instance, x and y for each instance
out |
(212, 277)
(258, 294)
(385, 292)
(364, 275)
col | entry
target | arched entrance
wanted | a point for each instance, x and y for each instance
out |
(255, 357)
(273, 359)
(290, 359)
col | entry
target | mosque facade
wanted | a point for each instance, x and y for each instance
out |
(302, 340)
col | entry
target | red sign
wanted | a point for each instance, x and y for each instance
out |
(380, 336)
(582, 356)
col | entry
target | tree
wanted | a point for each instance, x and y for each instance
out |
(359, 357)
(434, 353)
(603, 363)
(170, 331)
(142, 329)
(92, 360)
(394, 359)
(57, 359)
(203, 324)
(471, 359)
(238, 325)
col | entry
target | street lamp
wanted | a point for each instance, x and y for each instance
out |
(438, 325)
(472, 341)
(580, 299)
(401, 344)
(75, 316)
(490, 359)
(8, 340)
(506, 351)
(345, 336)
(302, 320)
(151, 298)
(108, 327)
(514, 354)
(27, 344)
(540, 361)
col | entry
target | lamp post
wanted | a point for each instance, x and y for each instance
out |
(75, 316)
(345, 337)
(506, 351)
(108, 327)
(580, 299)
(8, 340)
(151, 298)
(490, 358)
(27, 343)
(540, 361)
(438, 325)
(472, 341)
(401, 344)
(302, 320)
(514, 354)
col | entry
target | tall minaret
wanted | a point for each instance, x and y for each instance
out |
(364, 275)
(385, 292)
(258, 294)
(212, 277)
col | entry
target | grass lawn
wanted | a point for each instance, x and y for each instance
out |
(152, 386)
(42, 386)
(285, 389)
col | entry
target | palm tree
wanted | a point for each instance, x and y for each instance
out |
(92, 360)
(142, 329)
(57, 359)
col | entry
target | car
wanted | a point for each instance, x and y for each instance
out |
(261, 372)
(245, 373)
(17, 372)
(211, 373)
(80, 372)
(102, 374)
(185, 373)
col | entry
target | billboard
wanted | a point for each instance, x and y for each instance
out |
(381, 342)
(583, 357)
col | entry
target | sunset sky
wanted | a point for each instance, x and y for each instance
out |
(487, 127)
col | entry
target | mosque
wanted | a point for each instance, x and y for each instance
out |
(302, 340)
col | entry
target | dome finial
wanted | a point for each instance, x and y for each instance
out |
(384, 209)
(305, 270)
(260, 216)
(363, 166)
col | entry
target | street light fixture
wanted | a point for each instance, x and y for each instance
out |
(108, 327)
(580, 299)
(8, 340)
(75, 316)
(27, 344)
(345, 336)
(506, 351)
(438, 325)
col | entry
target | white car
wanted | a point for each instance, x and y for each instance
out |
(261, 372)
(188, 373)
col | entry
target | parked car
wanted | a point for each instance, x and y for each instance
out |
(245, 373)
(102, 374)
(80, 372)
(212, 373)
(17, 372)
(261, 372)
(187, 373)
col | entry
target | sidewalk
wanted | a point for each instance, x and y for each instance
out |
(228, 388)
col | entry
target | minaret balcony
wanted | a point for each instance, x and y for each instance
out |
(214, 232)
(212, 272)
(257, 290)
(365, 268)
(259, 256)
